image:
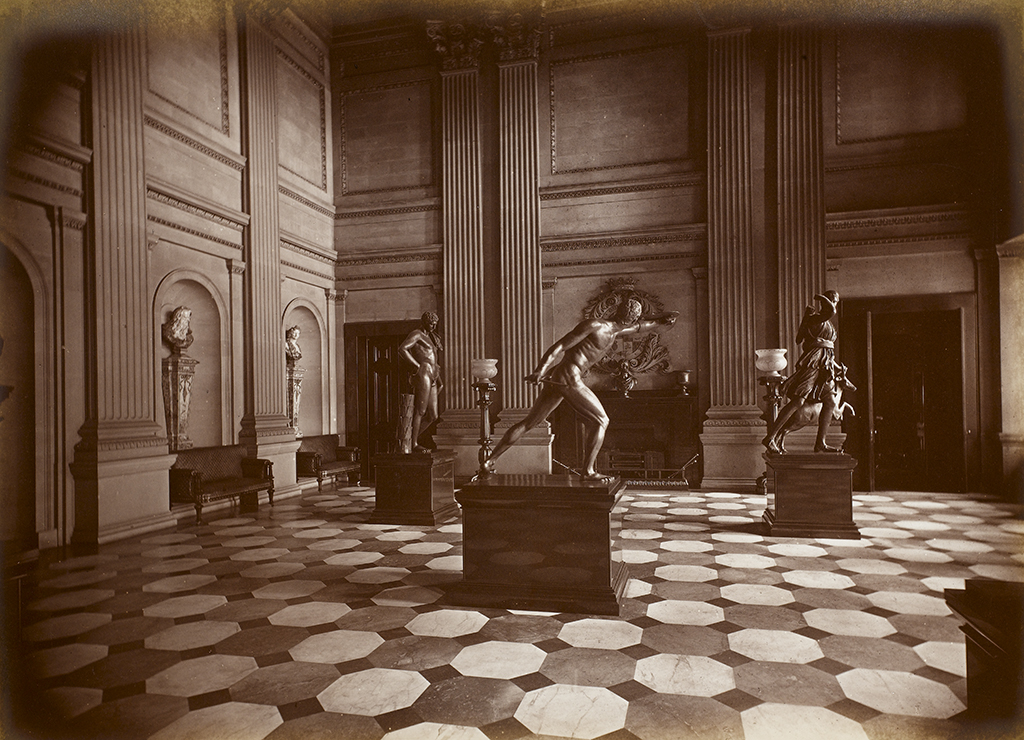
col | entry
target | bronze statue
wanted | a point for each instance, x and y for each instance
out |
(816, 386)
(560, 373)
(421, 349)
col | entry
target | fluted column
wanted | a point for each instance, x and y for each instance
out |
(801, 219)
(265, 417)
(733, 428)
(519, 207)
(121, 461)
(463, 238)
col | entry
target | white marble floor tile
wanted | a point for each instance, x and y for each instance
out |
(694, 613)
(691, 675)
(435, 731)
(70, 600)
(377, 575)
(354, 559)
(685, 573)
(872, 566)
(407, 596)
(175, 565)
(71, 701)
(950, 657)
(775, 645)
(447, 623)
(425, 548)
(744, 560)
(333, 544)
(638, 557)
(909, 603)
(893, 692)
(320, 533)
(446, 562)
(184, 606)
(201, 675)
(847, 622)
(818, 579)
(288, 589)
(230, 721)
(64, 659)
(272, 570)
(191, 635)
(67, 625)
(337, 646)
(605, 634)
(797, 551)
(686, 546)
(788, 722)
(309, 614)
(499, 659)
(373, 692)
(917, 555)
(757, 594)
(583, 712)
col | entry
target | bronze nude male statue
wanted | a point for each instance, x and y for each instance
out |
(560, 373)
(818, 379)
(421, 349)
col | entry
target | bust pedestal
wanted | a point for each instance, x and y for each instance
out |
(539, 542)
(810, 495)
(416, 488)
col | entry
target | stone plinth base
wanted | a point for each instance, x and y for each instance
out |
(417, 489)
(539, 542)
(811, 495)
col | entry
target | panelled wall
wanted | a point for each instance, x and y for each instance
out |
(162, 167)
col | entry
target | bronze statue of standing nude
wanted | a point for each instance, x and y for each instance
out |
(560, 373)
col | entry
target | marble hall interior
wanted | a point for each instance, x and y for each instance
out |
(219, 222)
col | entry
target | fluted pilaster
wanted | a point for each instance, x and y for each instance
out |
(265, 402)
(463, 234)
(730, 223)
(123, 402)
(801, 230)
(520, 229)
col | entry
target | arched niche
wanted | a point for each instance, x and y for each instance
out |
(210, 412)
(312, 341)
(26, 430)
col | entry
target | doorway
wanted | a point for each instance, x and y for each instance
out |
(909, 434)
(375, 380)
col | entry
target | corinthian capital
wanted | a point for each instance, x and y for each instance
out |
(517, 35)
(458, 43)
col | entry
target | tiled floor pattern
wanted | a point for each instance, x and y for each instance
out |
(305, 621)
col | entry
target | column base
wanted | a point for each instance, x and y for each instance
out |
(732, 452)
(539, 542)
(812, 495)
(415, 489)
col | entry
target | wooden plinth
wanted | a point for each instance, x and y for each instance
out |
(811, 495)
(416, 488)
(539, 542)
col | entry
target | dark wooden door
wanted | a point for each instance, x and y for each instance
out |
(375, 379)
(909, 432)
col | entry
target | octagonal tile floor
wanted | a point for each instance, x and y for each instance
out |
(305, 620)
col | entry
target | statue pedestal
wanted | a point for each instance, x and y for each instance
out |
(810, 495)
(539, 542)
(417, 489)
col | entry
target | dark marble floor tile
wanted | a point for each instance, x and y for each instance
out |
(469, 701)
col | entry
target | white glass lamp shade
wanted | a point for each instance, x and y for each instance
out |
(484, 369)
(770, 361)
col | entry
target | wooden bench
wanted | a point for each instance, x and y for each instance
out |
(325, 457)
(206, 474)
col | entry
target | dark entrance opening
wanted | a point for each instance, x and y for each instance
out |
(909, 434)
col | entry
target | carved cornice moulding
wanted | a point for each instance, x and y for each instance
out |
(322, 95)
(1011, 248)
(28, 177)
(396, 211)
(620, 260)
(390, 275)
(325, 210)
(390, 258)
(192, 232)
(946, 242)
(197, 205)
(291, 22)
(297, 244)
(65, 153)
(307, 270)
(694, 234)
(211, 150)
(691, 179)
(895, 217)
